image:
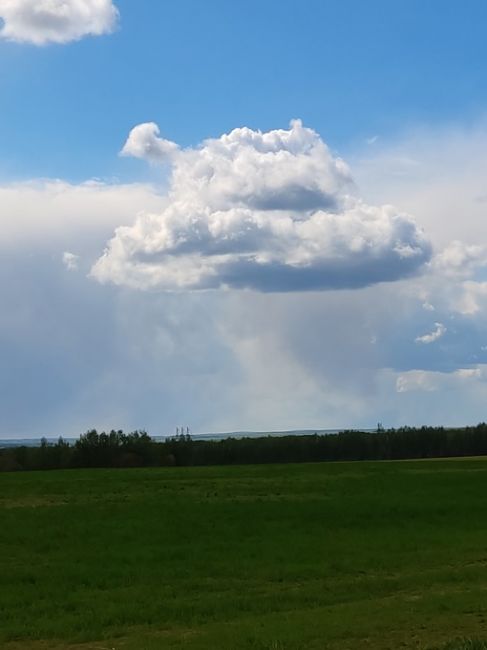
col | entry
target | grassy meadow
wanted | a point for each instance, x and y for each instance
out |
(379, 555)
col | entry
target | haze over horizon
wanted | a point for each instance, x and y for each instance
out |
(242, 216)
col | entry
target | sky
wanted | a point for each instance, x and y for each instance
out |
(252, 215)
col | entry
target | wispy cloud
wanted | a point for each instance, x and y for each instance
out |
(433, 336)
(430, 381)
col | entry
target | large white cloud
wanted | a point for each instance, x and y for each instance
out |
(268, 211)
(56, 21)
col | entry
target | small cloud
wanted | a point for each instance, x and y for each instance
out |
(427, 306)
(144, 142)
(55, 21)
(372, 140)
(432, 336)
(71, 261)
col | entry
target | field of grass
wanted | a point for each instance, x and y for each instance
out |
(283, 557)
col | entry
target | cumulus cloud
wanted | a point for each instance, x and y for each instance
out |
(56, 21)
(433, 336)
(272, 211)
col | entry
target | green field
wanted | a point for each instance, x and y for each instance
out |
(273, 557)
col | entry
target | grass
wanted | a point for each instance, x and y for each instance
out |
(282, 557)
(465, 644)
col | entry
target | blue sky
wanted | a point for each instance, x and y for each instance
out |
(324, 273)
(350, 69)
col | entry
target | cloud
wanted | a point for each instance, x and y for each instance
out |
(472, 298)
(55, 323)
(432, 336)
(436, 173)
(70, 261)
(144, 142)
(56, 21)
(430, 381)
(286, 360)
(272, 211)
(460, 260)
(66, 216)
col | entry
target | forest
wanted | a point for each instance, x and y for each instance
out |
(138, 449)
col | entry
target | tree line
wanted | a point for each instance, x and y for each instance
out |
(138, 449)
